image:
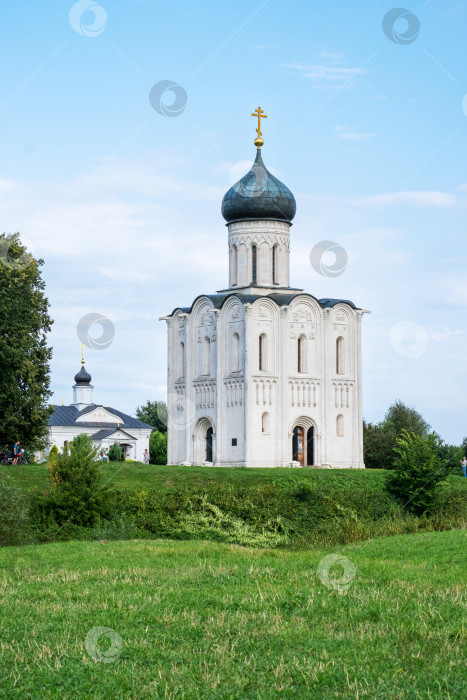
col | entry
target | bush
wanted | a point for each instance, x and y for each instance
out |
(158, 447)
(115, 453)
(77, 497)
(14, 520)
(418, 474)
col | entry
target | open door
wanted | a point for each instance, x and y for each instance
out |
(298, 445)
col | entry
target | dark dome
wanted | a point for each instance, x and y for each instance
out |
(258, 195)
(83, 378)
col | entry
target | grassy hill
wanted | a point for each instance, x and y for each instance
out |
(298, 508)
(209, 620)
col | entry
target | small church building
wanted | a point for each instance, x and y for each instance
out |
(263, 374)
(105, 425)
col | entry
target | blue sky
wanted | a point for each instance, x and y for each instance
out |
(123, 203)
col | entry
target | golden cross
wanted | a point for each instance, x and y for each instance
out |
(82, 353)
(259, 113)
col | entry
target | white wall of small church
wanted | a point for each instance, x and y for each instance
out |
(58, 435)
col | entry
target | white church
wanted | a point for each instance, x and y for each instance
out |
(105, 425)
(262, 374)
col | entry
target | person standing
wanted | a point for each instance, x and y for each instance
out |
(464, 466)
(146, 457)
(16, 453)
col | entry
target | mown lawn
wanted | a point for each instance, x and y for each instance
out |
(134, 475)
(206, 620)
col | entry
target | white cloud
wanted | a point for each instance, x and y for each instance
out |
(322, 74)
(352, 133)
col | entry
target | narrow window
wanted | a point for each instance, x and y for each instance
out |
(265, 423)
(301, 354)
(253, 264)
(235, 352)
(234, 265)
(274, 264)
(340, 424)
(340, 355)
(181, 361)
(263, 349)
(207, 356)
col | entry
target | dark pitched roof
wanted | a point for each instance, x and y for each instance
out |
(101, 434)
(218, 300)
(67, 415)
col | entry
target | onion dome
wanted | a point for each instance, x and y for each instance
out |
(83, 378)
(258, 195)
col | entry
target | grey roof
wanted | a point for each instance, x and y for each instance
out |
(67, 415)
(218, 300)
(101, 434)
(258, 195)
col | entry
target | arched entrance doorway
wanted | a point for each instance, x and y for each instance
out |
(204, 442)
(303, 445)
(209, 433)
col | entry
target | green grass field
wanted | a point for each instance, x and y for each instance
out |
(207, 620)
(134, 475)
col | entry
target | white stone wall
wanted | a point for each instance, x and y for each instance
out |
(233, 399)
(265, 235)
(59, 434)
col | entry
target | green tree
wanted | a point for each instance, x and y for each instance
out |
(24, 354)
(378, 446)
(154, 413)
(158, 447)
(77, 495)
(400, 417)
(418, 472)
(380, 439)
(115, 453)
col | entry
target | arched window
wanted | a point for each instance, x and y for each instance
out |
(274, 264)
(301, 354)
(263, 352)
(234, 265)
(340, 424)
(181, 361)
(254, 264)
(340, 369)
(235, 352)
(265, 423)
(206, 356)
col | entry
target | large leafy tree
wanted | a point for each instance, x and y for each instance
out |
(380, 439)
(155, 414)
(24, 354)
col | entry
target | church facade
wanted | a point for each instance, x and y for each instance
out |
(262, 374)
(105, 425)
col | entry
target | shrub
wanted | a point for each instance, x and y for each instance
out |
(14, 521)
(76, 497)
(418, 474)
(158, 447)
(115, 453)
